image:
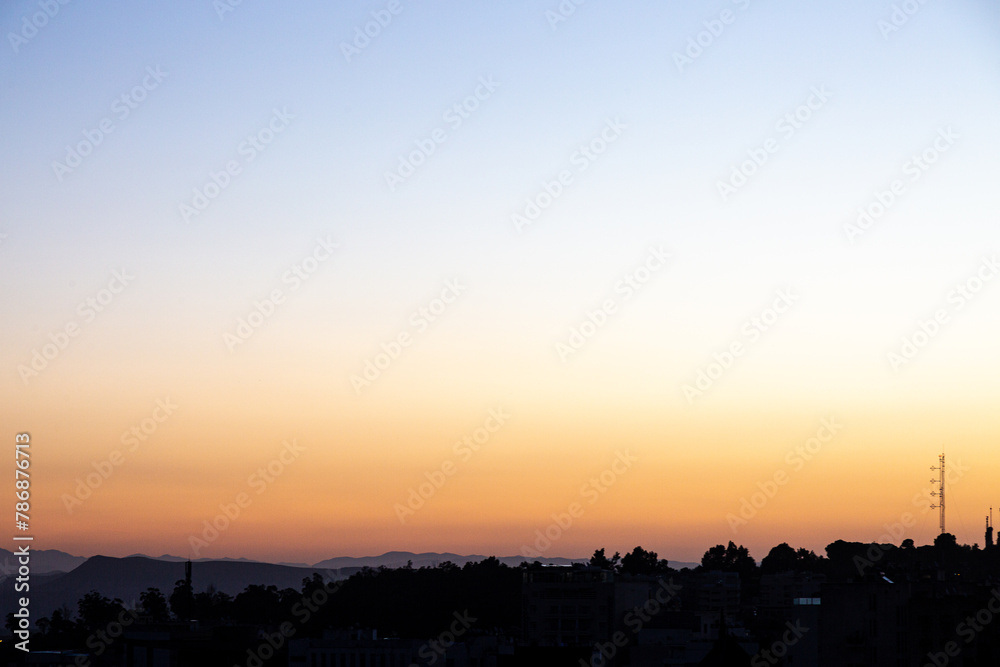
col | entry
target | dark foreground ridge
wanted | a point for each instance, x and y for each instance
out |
(860, 604)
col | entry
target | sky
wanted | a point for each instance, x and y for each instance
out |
(520, 278)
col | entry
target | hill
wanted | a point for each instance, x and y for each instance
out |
(393, 559)
(126, 578)
(42, 561)
(400, 558)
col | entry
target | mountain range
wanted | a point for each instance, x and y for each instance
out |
(59, 579)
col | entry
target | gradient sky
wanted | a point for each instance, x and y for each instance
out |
(682, 130)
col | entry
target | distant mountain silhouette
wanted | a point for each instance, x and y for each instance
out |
(431, 559)
(42, 561)
(390, 559)
(126, 578)
(400, 558)
(182, 559)
(51, 560)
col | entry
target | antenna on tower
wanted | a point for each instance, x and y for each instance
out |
(989, 531)
(940, 492)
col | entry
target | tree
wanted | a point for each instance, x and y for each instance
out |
(945, 541)
(640, 561)
(784, 558)
(311, 586)
(739, 560)
(98, 612)
(491, 563)
(211, 604)
(808, 560)
(781, 558)
(729, 559)
(257, 602)
(603, 562)
(154, 605)
(182, 600)
(59, 631)
(714, 558)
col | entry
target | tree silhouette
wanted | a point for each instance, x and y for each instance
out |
(61, 628)
(182, 600)
(602, 561)
(640, 561)
(154, 605)
(784, 558)
(808, 560)
(57, 632)
(267, 603)
(779, 559)
(729, 559)
(945, 541)
(211, 604)
(97, 612)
